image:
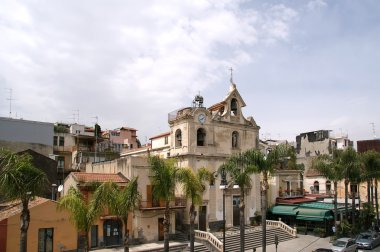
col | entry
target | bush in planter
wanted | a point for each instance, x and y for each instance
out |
(319, 231)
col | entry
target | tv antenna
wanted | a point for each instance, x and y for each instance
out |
(373, 130)
(10, 99)
(76, 116)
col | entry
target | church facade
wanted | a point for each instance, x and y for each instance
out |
(206, 137)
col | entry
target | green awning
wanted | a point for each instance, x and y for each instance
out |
(314, 214)
(284, 210)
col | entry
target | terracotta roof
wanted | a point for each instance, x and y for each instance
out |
(294, 200)
(160, 135)
(99, 177)
(14, 207)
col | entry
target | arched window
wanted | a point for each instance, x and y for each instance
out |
(316, 186)
(178, 138)
(235, 139)
(328, 187)
(201, 137)
(234, 107)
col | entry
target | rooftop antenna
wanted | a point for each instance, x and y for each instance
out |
(10, 99)
(373, 130)
(76, 115)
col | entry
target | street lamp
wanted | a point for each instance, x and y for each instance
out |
(223, 186)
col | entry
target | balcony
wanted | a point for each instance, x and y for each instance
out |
(179, 203)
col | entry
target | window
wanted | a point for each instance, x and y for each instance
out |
(55, 141)
(61, 141)
(316, 187)
(178, 138)
(201, 137)
(354, 190)
(234, 107)
(328, 186)
(45, 239)
(61, 162)
(166, 140)
(235, 139)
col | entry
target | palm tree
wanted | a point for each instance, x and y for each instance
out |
(330, 167)
(20, 180)
(265, 165)
(239, 169)
(83, 213)
(350, 165)
(371, 171)
(164, 178)
(193, 187)
(120, 202)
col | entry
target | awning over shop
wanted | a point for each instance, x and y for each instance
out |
(311, 214)
(284, 210)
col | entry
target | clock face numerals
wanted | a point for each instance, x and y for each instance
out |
(202, 118)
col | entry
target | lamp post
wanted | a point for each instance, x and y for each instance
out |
(223, 186)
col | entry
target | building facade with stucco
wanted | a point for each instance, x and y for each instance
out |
(198, 137)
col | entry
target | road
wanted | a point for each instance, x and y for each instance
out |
(304, 243)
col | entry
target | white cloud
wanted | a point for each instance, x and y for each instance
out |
(122, 59)
(316, 4)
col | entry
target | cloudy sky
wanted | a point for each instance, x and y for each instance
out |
(300, 65)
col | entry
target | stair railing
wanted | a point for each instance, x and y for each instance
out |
(210, 238)
(283, 226)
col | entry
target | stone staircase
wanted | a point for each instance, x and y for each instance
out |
(253, 239)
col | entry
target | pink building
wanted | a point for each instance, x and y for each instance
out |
(120, 139)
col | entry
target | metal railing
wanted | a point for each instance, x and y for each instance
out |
(178, 202)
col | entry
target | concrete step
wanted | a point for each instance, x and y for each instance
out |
(198, 247)
(254, 239)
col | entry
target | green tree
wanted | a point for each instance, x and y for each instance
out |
(120, 201)
(330, 167)
(83, 212)
(193, 187)
(20, 180)
(164, 178)
(371, 172)
(350, 165)
(265, 165)
(240, 168)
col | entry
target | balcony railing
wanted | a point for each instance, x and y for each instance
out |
(293, 194)
(157, 205)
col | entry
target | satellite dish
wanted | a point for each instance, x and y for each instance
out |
(60, 188)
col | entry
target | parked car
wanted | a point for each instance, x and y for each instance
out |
(368, 240)
(323, 250)
(344, 245)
